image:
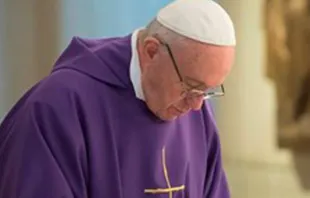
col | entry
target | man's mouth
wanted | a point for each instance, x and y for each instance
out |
(180, 111)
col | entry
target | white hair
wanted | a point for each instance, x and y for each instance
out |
(169, 36)
(173, 39)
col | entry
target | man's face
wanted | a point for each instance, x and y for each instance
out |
(175, 79)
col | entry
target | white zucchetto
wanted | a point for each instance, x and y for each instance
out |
(201, 20)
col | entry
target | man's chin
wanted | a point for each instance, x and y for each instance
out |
(165, 116)
(168, 118)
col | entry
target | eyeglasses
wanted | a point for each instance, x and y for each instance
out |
(192, 92)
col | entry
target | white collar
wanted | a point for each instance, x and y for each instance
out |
(135, 70)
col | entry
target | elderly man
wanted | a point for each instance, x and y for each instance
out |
(126, 117)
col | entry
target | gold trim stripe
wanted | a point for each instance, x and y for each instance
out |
(170, 189)
(164, 190)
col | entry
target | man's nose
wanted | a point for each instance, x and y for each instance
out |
(195, 103)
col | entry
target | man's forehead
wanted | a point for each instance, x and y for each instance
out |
(209, 68)
(196, 51)
(212, 55)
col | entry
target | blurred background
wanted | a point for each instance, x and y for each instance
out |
(260, 163)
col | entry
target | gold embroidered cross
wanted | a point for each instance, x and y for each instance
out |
(170, 190)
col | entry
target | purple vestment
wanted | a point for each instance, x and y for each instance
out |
(82, 133)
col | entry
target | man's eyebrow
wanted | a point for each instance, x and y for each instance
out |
(198, 84)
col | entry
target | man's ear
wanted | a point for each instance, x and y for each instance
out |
(150, 47)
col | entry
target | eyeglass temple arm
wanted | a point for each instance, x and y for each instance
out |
(174, 62)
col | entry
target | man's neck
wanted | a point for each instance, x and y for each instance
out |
(139, 48)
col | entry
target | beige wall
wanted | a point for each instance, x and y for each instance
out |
(29, 44)
(16, 35)
(246, 117)
(2, 70)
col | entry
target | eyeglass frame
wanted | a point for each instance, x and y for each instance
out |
(192, 89)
